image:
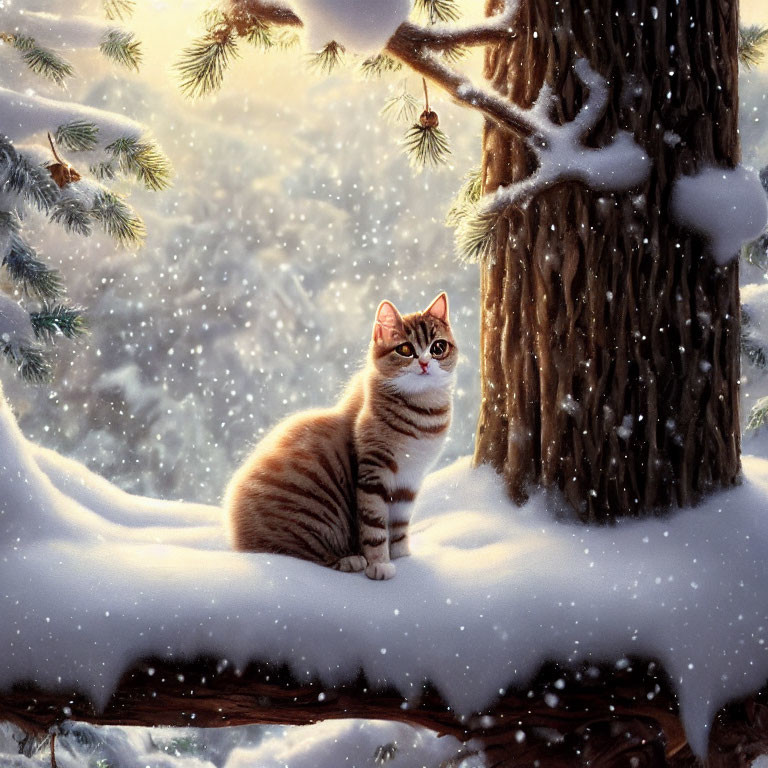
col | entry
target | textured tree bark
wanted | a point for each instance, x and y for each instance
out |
(597, 717)
(609, 337)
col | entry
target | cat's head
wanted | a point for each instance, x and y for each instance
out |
(416, 352)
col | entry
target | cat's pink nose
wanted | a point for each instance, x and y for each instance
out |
(424, 365)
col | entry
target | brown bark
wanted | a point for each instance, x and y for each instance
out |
(597, 307)
(600, 717)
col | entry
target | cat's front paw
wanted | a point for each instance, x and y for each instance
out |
(380, 571)
(350, 564)
(399, 549)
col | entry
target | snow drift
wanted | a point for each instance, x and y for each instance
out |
(94, 579)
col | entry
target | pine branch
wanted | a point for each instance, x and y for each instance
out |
(203, 63)
(32, 275)
(438, 10)
(42, 61)
(118, 219)
(143, 159)
(376, 66)
(328, 58)
(284, 39)
(31, 363)
(753, 41)
(77, 135)
(53, 320)
(475, 234)
(123, 48)
(758, 416)
(20, 176)
(260, 35)
(72, 214)
(402, 108)
(118, 9)
(466, 199)
(426, 145)
(103, 171)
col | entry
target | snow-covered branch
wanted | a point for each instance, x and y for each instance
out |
(620, 165)
(67, 32)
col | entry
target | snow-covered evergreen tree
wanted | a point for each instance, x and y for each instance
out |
(60, 163)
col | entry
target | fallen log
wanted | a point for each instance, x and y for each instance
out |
(596, 716)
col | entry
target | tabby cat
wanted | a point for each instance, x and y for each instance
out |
(336, 486)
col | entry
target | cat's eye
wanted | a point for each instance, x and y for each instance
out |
(439, 348)
(405, 350)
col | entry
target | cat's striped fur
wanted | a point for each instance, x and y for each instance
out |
(336, 486)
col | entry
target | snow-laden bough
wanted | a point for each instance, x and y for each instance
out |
(94, 579)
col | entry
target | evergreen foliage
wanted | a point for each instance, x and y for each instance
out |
(203, 63)
(438, 10)
(77, 135)
(426, 145)
(76, 207)
(753, 41)
(328, 58)
(467, 197)
(40, 60)
(122, 47)
(118, 219)
(758, 416)
(54, 319)
(475, 234)
(376, 66)
(143, 159)
(118, 9)
(33, 277)
(401, 108)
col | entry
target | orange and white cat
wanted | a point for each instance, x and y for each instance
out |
(336, 486)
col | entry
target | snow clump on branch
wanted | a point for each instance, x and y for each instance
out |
(363, 25)
(728, 206)
(618, 166)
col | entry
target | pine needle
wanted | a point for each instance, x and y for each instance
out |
(203, 63)
(327, 58)
(475, 235)
(53, 320)
(43, 61)
(454, 53)
(285, 39)
(123, 48)
(30, 362)
(467, 197)
(31, 274)
(73, 216)
(118, 9)
(143, 159)
(22, 177)
(426, 146)
(758, 416)
(438, 10)
(118, 219)
(77, 135)
(260, 35)
(376, 66)
(753, 41)
(402, 108)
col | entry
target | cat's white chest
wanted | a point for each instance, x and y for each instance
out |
(417, 458)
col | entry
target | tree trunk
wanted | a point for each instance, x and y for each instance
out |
(597, 717)
(610, 337)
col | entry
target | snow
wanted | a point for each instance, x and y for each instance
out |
(620, 165)
(362, 25)
(50, 29)
(726, 205)
(350, 743)
(14, 322)
(27, 114)
(491, 593)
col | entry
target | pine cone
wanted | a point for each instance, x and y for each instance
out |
(429, 119)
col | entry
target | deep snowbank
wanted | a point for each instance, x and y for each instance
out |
(89, 585)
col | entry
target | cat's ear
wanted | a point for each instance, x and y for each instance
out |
(389, 324)
(438, 308)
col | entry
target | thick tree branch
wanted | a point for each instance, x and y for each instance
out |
(571, 718)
